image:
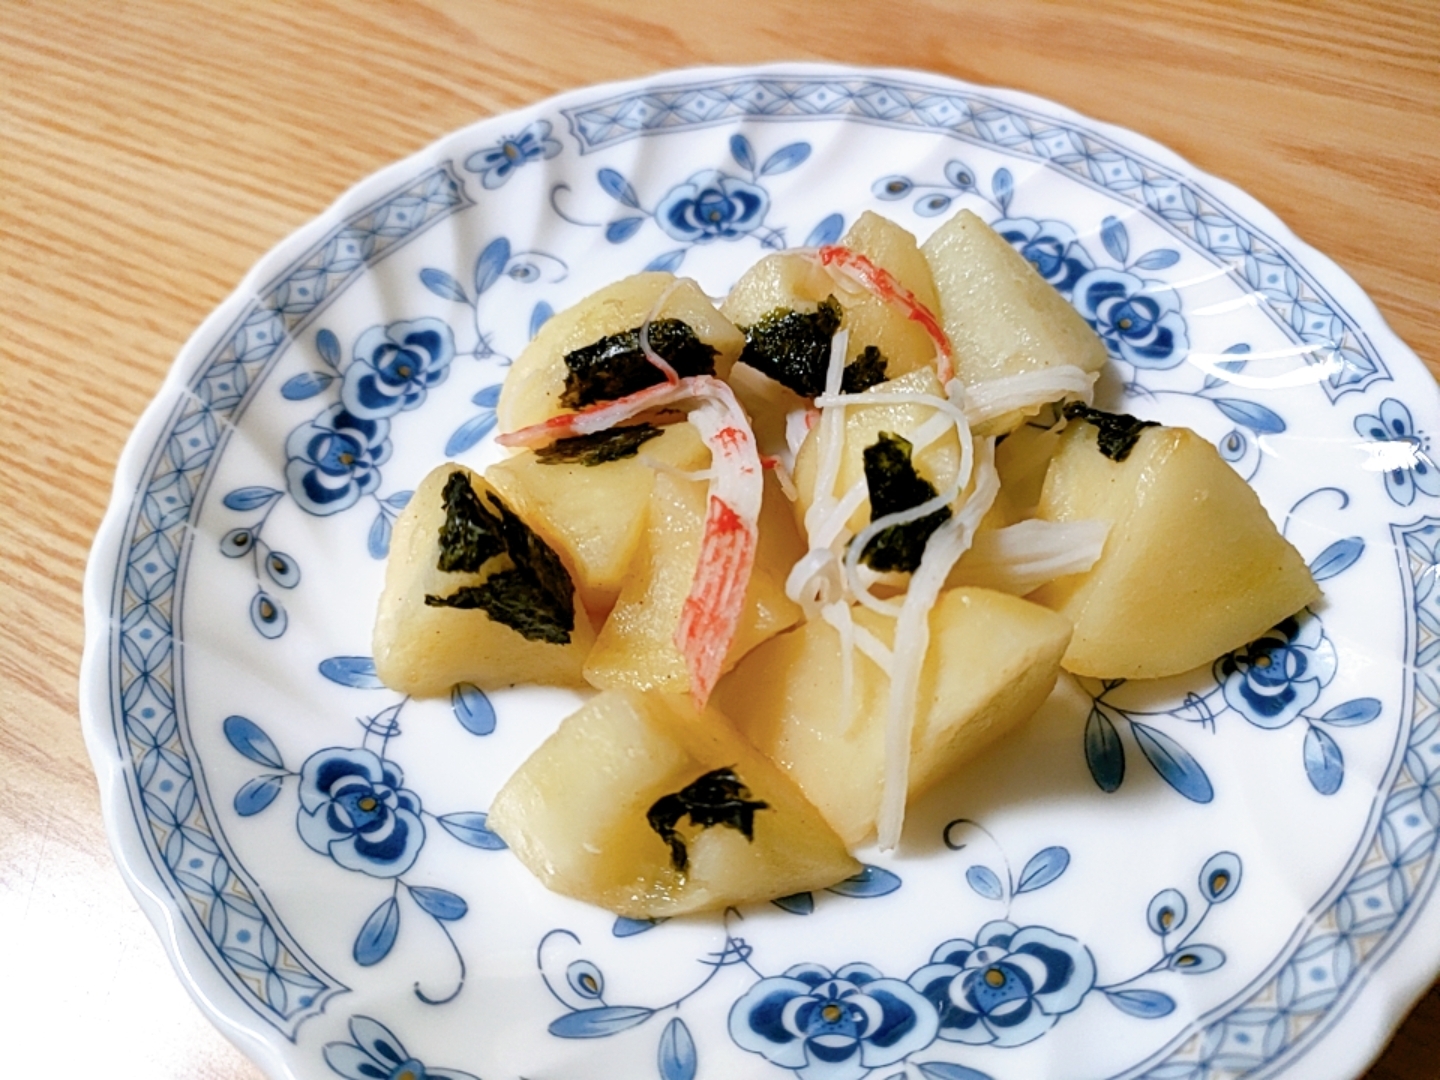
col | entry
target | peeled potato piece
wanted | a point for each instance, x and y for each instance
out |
(424, 649)
(588, 813)
(1193, 567)
(536, 383)
(1001, 316)
(992, 660)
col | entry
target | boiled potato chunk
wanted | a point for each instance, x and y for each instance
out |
(636, 646)
(578, 813)
(1001, 316)
(939, 463)
(594, 515)
(424, 649)
(536, 382)
(797, 282)
(992, 660)
(1192, 568)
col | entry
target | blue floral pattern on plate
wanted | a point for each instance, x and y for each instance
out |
(301, 402)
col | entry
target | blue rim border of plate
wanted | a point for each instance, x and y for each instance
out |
(149, 566)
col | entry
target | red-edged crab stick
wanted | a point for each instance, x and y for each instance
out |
(878, 280)
(712, 608)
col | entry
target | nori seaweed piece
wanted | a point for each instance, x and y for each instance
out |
(865, 371)
(535, 597)
(1118, 432)
(717, 798)
(615, 365)
(894, 486)
(470, 535)
(793, 347)
(598, 447)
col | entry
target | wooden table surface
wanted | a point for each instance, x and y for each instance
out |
(151, 151)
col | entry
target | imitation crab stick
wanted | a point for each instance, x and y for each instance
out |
(727, 551)
(878, 280)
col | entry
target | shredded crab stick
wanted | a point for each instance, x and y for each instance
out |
(727, 549)
(882, 283)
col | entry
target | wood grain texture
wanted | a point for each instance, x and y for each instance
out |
(151, 151)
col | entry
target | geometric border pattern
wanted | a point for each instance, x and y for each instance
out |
(1295, 301)
(1366, 914)
(222, 906)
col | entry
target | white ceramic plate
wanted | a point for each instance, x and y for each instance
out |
(1227, 874)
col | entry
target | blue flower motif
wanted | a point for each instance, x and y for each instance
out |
(712, 206)
(832, 1026)
(1049, 246)
(1279, 675)
(376, 1054)
(1008, 987)
(1400, 451)
(1139, 320)
(354, 809)
(334, 459)
(395, 365)
(497, 163)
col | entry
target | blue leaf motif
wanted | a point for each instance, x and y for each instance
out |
(1256, 417)
(1231, 366)
(540, 316)
(267, 615)
(1337, 558)
(667, 263)
(1003, 185)
(355, 671)
(983, 880)
(742, 152)
(1197, 959)
(491, 264)
(618, 188)
(627, 927)
(283, 570)
(488, 397)
(245, 736)
(1042, 869)
(620, 230)
(399, 500)
(1353, 713)
(250, 498)
(441, 903)
(677, 1058)
(959, 175)
(945, 1070)
(377, 936)
(443, 285)
(378, 542)
(785, 159)
(328, 346)
(470, 433)
(800, 903)
(1220, 876)
(870, 882)
(1159, 259)
(827, 232)
(1104, 753)
(1324, 764)
(1146, 1004)
(933, 205)
(306, 385)
(469, 827)
(257, 794)
(1167, 911)
(1115, 238)
(472, 708)
(1176, 766)
(600, 1022)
